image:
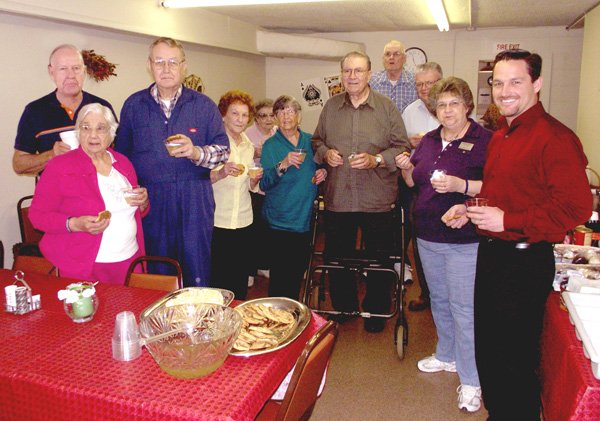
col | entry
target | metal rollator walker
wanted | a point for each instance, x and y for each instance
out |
(361, 263)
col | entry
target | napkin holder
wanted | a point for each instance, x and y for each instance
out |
(19, 299)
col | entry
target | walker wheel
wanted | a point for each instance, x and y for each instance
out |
(400, 341)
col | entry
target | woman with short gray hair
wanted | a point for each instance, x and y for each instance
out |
(290, 182)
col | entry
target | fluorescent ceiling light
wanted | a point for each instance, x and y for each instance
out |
(436, 7)
(212, 3)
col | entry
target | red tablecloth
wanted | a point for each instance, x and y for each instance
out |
(52, 368)
(569, 389)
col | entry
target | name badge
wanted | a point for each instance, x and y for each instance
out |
(465, 146)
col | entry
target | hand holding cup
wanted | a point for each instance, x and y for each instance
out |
(255, 172)
(181, 146)
(486, 217)
(295, 159)
(334, 158)
(136, 196)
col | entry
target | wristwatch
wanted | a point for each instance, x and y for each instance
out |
(378, 160)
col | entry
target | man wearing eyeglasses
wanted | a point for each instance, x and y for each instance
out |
(38, 133)
(359, 134)
(394, 81)
(418, 121)
(180, 222)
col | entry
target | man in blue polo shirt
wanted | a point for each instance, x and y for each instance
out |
(38, 134)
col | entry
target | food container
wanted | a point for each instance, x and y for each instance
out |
(584, 313)
(195, 338)
(582, 235)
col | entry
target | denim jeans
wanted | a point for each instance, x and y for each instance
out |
(450, 274)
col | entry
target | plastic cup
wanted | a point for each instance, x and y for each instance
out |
(126, 343)
(70, 138)
(129, 194)
(301, 153)
(254, 170)
(476, 201)
(171, 145)
(438, 175)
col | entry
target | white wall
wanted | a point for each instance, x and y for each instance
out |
(27, 43)
(589, 104)
(458, 52)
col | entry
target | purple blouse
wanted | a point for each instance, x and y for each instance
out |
(463, 158)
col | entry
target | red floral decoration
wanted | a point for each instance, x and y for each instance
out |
(97, 66)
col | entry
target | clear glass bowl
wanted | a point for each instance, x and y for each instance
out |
(202, 337)
(82, 310)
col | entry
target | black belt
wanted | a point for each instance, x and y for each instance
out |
(519, 245)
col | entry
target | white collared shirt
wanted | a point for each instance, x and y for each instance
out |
(417, 119)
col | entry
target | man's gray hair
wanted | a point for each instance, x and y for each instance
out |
(429, 66)
(104, 112)
(355, 54)
(173, 43)
(65, 47)
(395, 43)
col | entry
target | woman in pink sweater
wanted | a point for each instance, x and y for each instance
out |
(72, 197)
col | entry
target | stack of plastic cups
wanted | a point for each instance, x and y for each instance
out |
(126, 343)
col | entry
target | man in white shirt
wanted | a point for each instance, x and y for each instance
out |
(417, 118)
(418, 121)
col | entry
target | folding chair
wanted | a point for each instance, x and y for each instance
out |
(151, 280)
(301, 395)
(35, 264)
(28, 233)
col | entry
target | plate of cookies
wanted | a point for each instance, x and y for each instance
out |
(269, 324)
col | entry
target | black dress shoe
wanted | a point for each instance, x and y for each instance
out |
(418, 305)
(340, 318)
(374, 324)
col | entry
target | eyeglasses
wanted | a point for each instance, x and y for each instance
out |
(357, 72)
(75, 69)
(287, 110)
(453, 105)
(170, 63)
(427, 84)
(261, 115)
(389, 54)
(87, 129)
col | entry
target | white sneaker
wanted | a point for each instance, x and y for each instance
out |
(250, 281)
(264, 273)
(433, 365)
(407, 271)
(469, 397)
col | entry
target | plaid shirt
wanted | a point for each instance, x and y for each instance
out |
(167, 110)
(401, 94)
(212, 155)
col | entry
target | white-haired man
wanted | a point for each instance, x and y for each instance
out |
(395, 81)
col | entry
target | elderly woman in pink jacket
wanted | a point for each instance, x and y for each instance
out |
(89, 206)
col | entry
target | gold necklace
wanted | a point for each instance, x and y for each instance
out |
(445, 139)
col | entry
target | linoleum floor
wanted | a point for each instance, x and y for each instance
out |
(367, 380)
